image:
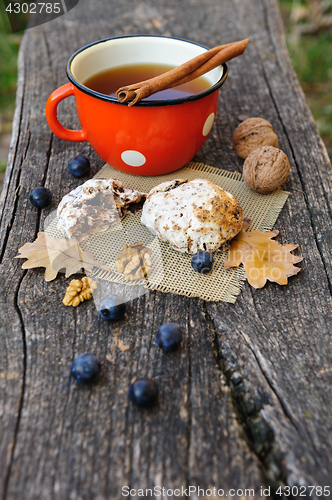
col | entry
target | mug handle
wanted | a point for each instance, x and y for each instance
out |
(51, 115)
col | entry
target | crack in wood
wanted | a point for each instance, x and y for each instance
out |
(265, 373)
(258, 434)
(16, 304)
(21, 401)
(283, 404)
(48, 51)
(16, 132)
(10, 223)
(16, 193)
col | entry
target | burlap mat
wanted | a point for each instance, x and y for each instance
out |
(171, 270)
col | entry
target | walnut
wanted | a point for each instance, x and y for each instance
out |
(252, 134)
(133, 261)
(266, 169)
(78, 291)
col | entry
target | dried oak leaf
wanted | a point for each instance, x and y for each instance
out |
(56, 254)
(263, 258)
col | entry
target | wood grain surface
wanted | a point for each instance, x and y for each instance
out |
(247, 400)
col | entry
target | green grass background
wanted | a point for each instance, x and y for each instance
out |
(308, 25)
(9, 46)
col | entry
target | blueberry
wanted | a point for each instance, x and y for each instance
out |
(169, 337)
(40, 197)
(79, 166)
(112, 308)
(143, 392)
(202, 262)
(85, 368)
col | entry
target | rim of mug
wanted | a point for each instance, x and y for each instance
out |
(152, 102)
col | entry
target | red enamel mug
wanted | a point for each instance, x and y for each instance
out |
(152, 137)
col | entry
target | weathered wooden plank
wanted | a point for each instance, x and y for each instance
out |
(246, 401)
(290, 335)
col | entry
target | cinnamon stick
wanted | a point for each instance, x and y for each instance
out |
(184, 73)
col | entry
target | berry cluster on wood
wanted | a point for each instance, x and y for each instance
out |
(143, 392)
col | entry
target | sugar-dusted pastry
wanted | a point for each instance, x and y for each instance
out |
(95, 206)
(192, 215)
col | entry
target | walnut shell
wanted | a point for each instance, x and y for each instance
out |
(252, 134)
(266, 169)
